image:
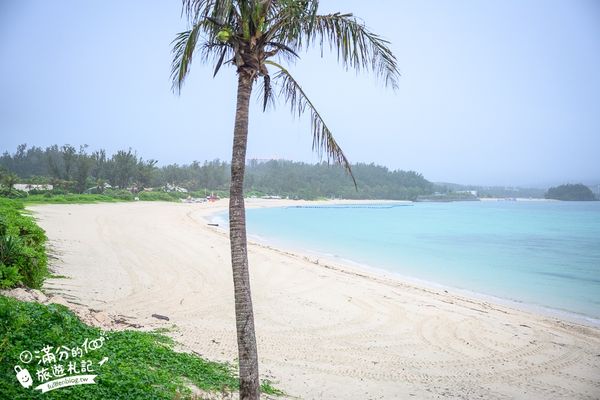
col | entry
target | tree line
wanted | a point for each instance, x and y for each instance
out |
(78, 170)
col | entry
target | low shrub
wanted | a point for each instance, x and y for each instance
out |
(13, 193)
(157, 196)
(120, 194)
(22, 247)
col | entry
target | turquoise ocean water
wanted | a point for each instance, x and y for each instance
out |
(541, 254)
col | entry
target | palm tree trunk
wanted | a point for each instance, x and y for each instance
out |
(244, 317)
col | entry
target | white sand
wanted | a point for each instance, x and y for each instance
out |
(324, 331)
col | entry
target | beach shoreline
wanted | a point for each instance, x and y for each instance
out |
(340, 262)
(345, 330)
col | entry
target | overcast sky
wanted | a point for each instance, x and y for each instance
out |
(492, 92)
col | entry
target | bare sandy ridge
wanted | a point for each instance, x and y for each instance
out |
(324, 331)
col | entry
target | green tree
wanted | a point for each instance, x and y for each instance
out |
(84, 163)
(124, 167)
(99, 164)
(69, 155)
(9, 180)
(100, 185)
(249, 34)
(54, 158)
(144, 173)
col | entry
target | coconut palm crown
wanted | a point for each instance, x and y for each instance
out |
(256, 37)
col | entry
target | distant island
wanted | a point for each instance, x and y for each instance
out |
(570, 192)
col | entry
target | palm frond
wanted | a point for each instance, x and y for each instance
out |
(200, 9)
(323, 140)
(284, 48)
(288, 18)
(184, 46)
(220, 62)
(356, 45)
(266, 95)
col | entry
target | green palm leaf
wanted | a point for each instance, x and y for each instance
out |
(323, 140)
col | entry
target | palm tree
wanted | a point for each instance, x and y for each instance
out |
(10, 180)
(256, 37)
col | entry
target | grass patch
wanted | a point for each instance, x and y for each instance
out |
(140, 365)
(23, 257)
(72, 199)
(110, 196)
(161, 196)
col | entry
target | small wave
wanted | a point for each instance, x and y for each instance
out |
(366, 206)
(569, 276)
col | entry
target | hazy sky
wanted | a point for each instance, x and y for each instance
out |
(492, 92)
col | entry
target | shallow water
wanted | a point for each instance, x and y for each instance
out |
(539, 253)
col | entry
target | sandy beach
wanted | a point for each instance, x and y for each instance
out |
(324, 331)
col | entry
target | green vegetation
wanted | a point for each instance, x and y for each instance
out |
(569, 192)
(70, 198)
(124, 175)
(310, 182)
(109, 196)
(140, 365)
(22, 252)
(7, 182)
(158, 196)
